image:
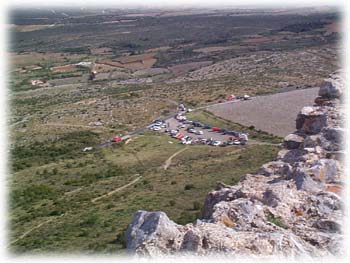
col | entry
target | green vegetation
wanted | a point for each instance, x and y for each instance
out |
(38, 153)
(276, 220)
(99, 226)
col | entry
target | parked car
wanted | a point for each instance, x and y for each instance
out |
(181, 126)
(188, 141)
(198, 124)
(229, 142)
(86, 149)
(234, 133)
(191, 130)
(216, 143)
(243, 137)
(173, 133)
(188, 122)
(117, 139)
(207, 127)
(215, 129)
(232, 138)
(198, 132)
(156, 128)
(158, 121)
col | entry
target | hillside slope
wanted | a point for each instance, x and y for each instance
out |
(291, 207)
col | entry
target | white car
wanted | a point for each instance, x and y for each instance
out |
(181, 126)
(156, 128)
(183, 140)
(198, 132)
(87, 149)
(216, 143)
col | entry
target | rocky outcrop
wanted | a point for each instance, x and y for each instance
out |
(292, 206)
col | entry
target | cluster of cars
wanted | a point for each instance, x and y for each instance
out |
(187, 127)
(235, 98)
(157, 125)
(192, 130)
(180, 117)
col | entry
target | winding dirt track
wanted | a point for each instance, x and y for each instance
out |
(36, 227)
(168, 161)
(116, 190)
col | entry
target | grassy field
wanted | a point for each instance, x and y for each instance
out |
(62, 190)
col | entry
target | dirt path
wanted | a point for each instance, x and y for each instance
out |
(168, 161)
(34, 228)
(73, 191)
(116, 190)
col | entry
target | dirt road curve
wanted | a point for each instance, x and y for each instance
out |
(271, 113)
(168, 161)
(116, 190)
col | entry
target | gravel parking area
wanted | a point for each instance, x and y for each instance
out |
(207, 133)
(275, 113)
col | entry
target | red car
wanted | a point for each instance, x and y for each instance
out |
(216, 129)
(233, 138)
(117, 139)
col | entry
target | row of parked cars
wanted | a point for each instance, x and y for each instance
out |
(236, 138)
(157, 125)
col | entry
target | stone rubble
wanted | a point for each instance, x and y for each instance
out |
(292, 207)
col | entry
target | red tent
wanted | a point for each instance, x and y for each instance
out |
(215, 129)
(117, 139)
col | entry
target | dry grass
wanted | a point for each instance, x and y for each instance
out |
(64, 69)
(29, 28)
(157, 49)
(31, 58)
(181, 69)
(101, 51)
(136, 62)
